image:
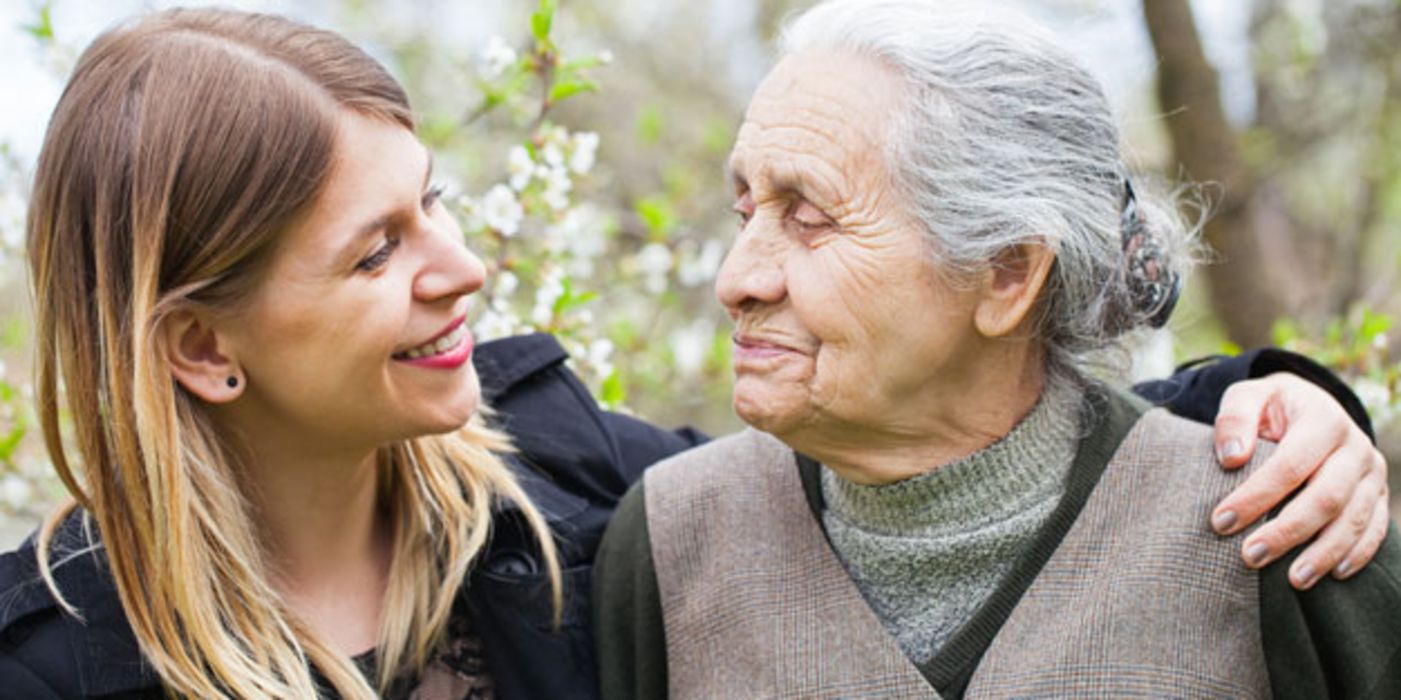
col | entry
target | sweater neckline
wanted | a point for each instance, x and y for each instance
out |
(1107, 416)
(995, 483)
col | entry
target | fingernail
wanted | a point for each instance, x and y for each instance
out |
(1256, 553)
(1223, 522)
(1229, 449)
(1303, 576)
(1343, 568)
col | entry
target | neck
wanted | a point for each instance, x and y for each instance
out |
(320, 520)
(939, 426)
(319, 516)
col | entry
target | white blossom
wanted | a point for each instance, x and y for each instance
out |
(15, 491)
(557, 186)
(12, 213)
(690, 344)
(506, 284)
(552, 146)
(520, 166)
(584, 148)
(582, 229)
(698, 269)
(654, 260)
(1373, 394)
(501, 210)
(472, 220)
(497, 57)
(492, 325)
(605, 57)
(600, 356)
(550, 290)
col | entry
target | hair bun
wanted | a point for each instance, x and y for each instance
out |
(1155, 287)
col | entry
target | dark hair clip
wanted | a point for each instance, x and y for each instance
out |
(1154, 287)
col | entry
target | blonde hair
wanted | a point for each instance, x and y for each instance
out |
(183, 145)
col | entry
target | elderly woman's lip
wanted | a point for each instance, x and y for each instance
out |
(754, 348)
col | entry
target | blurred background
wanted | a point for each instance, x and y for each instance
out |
(583, 147)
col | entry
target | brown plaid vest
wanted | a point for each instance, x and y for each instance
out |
(1139, 600)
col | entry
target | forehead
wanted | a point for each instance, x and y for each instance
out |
(377, 169)
(819, 106)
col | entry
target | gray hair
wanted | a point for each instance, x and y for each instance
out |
(1005, 140)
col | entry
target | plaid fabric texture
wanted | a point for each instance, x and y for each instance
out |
(754, 602)
(1140, 600)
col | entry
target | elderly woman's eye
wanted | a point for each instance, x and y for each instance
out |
(744, 206)
(808, 216)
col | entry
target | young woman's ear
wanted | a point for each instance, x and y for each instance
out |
(1011, 288)
(200, 357)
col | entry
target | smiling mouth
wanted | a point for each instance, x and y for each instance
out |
(440, 345)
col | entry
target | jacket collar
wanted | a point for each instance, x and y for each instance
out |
(501, 364)
(109, 660)
(108, 657)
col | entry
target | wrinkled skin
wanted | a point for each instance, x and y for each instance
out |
(849, 343)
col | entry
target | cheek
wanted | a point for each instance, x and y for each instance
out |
(338, 340)
(844, 295)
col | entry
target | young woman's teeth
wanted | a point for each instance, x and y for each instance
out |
(439, 346)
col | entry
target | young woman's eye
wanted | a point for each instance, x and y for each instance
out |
(381, 255)
(432, 196)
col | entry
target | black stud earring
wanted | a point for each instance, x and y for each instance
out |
(232, 382)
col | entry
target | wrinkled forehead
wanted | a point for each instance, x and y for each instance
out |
(834, 106)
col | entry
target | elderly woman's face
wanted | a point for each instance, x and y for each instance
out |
(842, 323)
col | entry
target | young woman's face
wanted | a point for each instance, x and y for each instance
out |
(356, 334)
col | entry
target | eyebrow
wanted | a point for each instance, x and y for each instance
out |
(379, 222)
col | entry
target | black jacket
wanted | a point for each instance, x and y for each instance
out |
(575, 462)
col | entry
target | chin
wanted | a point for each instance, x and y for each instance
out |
(763, 411)
(452, 412)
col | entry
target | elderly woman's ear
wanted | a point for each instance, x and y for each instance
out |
(1010, 288)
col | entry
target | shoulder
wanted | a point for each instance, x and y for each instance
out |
(1340, 639)
(35, 650)
(1161, 428)
(47, 652)
(558, 427)
(714, 464)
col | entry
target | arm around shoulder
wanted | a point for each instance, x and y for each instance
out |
(628, 630)
(1341, 639)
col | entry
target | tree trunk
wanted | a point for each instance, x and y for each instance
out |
(1242, 292)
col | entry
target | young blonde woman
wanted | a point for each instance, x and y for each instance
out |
(255, 378)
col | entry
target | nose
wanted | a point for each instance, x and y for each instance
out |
(752, 272)
(449, 269)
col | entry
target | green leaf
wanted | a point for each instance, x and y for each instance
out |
(566, 89)
(10, 443)
(542, 19)
(436, 130)
(613, 393)
(577, 64)
(719, 135)
(650, 124)
(1373, 325)
(1229, 348)
(1285, 332)
(43, 28)
(657, 215)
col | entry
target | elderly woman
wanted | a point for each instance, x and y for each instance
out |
(937, 498)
